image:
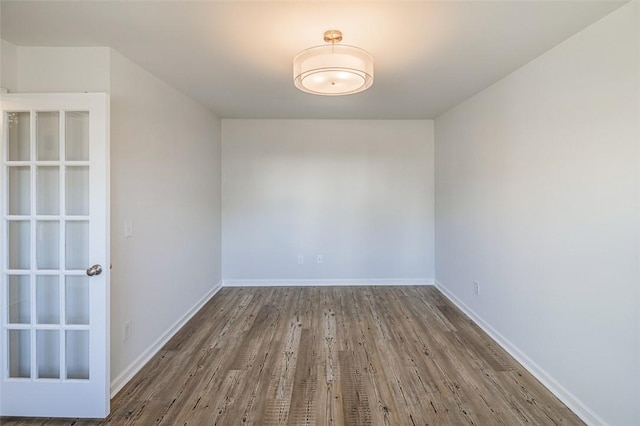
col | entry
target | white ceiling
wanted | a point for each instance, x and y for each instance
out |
(235, 56)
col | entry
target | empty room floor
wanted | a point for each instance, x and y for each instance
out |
(331, 356)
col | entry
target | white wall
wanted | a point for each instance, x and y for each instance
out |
(165, 178)
(358, 192)
(8, 66)
(63, 69)
(537, 190)
(165, 168)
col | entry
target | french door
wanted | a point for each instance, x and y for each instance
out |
(54, 255)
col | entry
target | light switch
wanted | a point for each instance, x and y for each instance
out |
(128, 228)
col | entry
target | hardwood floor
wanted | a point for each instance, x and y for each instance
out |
(331, 356)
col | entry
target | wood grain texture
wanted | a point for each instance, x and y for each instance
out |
(330, 356)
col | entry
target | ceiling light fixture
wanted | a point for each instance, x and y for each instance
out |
(333, 69)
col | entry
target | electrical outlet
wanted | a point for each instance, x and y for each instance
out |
(319, 258)
(476, 287)
(127, 331)
(300, 259)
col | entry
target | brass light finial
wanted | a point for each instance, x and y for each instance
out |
(333, 36)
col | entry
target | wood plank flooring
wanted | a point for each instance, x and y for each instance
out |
(330, 356)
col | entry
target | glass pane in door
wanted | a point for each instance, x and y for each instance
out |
(19, 136)
(48, 299)
(19, 190)
(19, 349)
(77, 191)
(77, 299)
(19, 244)
(77, 136)
(77, 354)
(48, 190)
(48, 354)
(77, 245)
(19, 299)
(48, 244)
(48, 136)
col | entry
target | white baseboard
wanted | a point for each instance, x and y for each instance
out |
(570, 400)
(132, 369)
(328, 283)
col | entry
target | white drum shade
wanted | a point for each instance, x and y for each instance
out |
(333, 70)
